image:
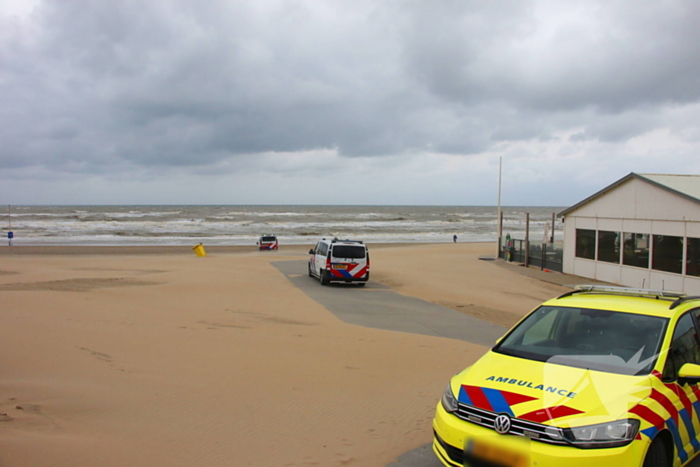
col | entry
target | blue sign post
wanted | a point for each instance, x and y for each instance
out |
(10, 236)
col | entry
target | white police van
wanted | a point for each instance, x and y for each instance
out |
(339, 261)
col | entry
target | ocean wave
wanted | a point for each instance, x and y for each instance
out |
(125, 225)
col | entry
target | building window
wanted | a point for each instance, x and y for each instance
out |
(668, 254)
(636, 251)
(585, 243)
(692, 262)
(609, 246)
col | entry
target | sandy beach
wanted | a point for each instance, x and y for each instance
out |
(145, 356)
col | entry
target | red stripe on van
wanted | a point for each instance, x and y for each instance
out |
(550, 413)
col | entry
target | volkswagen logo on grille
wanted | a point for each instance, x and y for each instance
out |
(502, 424)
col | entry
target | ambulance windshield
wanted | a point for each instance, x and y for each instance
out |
(614, 342)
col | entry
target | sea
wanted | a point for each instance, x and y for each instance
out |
(293, 225)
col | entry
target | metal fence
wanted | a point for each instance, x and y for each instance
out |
(542, 255)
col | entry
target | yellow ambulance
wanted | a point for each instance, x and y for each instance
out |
(600, 376)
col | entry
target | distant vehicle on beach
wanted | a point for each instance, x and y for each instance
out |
(339, 261)
(268, 242)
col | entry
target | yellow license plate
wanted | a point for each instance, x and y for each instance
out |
(497, 454)
(340, 266)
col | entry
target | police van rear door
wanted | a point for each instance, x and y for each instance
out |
(348, 255)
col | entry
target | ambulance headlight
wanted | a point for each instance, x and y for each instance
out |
(449, 401)
(603, 435)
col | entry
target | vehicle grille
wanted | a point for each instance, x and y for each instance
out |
(534, 431)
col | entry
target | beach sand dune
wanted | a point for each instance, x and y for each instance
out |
(169, 359)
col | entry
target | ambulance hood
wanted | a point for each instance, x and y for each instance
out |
(548, 393)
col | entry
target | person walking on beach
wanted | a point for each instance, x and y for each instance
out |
(454, 238)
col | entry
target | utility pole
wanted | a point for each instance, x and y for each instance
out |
(499, 219)
(551, 238)
(527, 239)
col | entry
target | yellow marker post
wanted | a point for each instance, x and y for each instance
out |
(199, 250)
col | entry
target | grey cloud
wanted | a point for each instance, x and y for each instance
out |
(96, 84)
(618, 55)
(618, 128)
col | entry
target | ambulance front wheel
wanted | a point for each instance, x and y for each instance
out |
(657, 455)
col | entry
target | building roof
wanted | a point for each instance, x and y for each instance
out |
(688, 185)
(685, 186)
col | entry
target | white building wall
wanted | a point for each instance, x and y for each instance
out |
(677, 229)
(614, 225)
(635, 277)
(636, 226)
(692, 229)
(569, 255)
(640, 200)
(584, 268)
(691, 285)
(633, 207)
(666, 281)
(607, 272)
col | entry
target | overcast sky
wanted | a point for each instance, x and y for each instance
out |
(343, 101)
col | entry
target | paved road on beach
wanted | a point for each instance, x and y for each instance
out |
(377, 306)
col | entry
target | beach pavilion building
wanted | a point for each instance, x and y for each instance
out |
(642, 231)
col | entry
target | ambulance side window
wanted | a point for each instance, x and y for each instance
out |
(684, 348)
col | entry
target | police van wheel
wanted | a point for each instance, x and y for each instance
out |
(656, 455)
(324, 277)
